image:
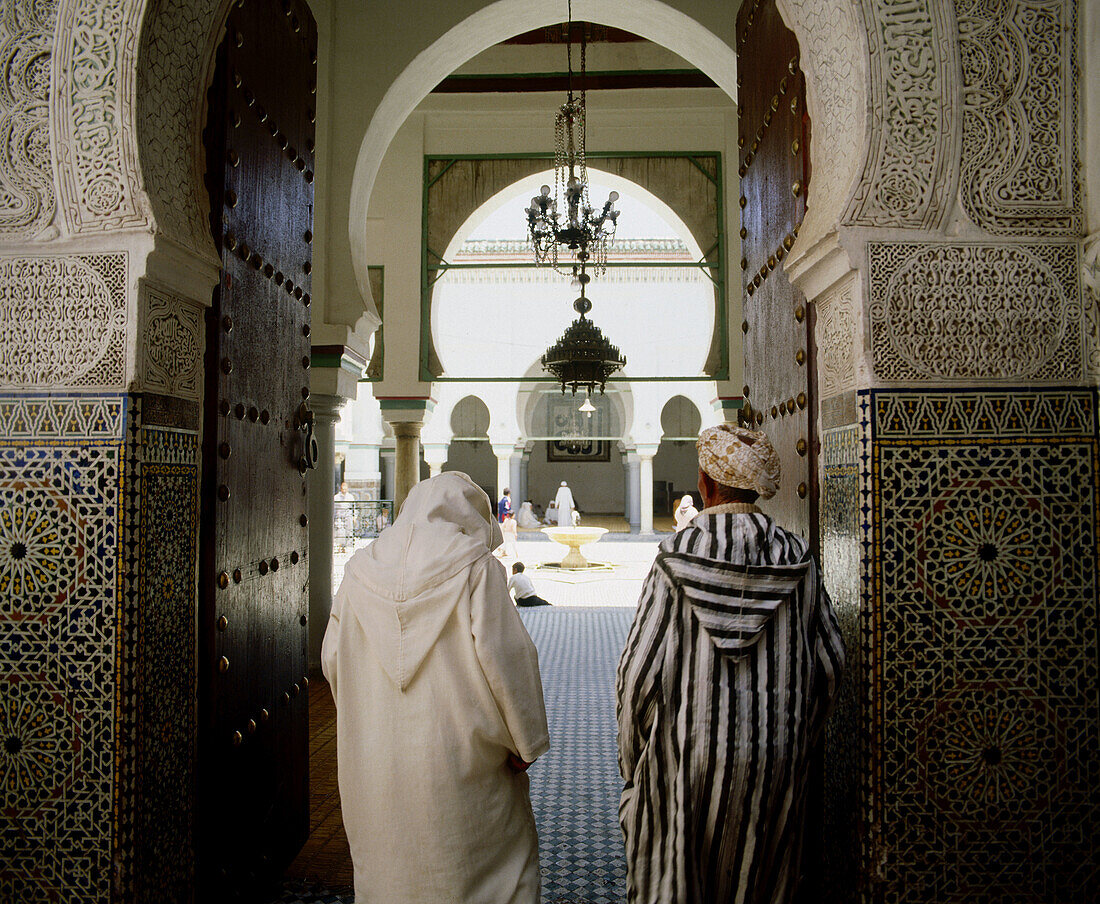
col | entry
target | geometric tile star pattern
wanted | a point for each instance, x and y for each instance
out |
(986, 750)
(59, 540)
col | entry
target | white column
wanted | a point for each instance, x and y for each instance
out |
(406, 460)
(645, 481)
(626, 485)
(435, 454)
(326, 411)
(633, 506)
(504, 469)
(385, 455)
(524, 469)
(515, 477)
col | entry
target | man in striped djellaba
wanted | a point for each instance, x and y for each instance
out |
(729, 670)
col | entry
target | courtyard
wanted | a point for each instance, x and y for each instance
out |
(575, 786)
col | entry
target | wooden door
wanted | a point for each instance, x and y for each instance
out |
(774, 168)
(780, 376)
(253, 744)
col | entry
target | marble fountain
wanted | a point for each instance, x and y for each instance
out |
(574, 538)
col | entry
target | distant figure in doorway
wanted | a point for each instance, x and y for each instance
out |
(685, 512)
(729, 670)
(439, 708)
(527, 519)
(504, 506)
(563, 503)
(510, 530)
(344, 516)
(524, 588)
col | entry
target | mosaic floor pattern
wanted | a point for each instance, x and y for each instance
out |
(575, 786)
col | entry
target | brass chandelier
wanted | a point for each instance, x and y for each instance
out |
(562, 222)
(582, 357)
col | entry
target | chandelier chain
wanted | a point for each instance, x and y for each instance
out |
(569, 49)
(565, 231)
(565, 224)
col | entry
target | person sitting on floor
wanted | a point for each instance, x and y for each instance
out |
(527, 519)
(685, 512)
(524, 588)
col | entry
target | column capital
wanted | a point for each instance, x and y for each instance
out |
(647, 450)
(326, 406)
(406, 429)
(406, 411)
(503, 450)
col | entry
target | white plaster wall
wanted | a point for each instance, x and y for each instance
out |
(406, 56)
(673, 120)
(596, 486)
(507, 59)
(477, 460)
(678, 462)
(394, 237)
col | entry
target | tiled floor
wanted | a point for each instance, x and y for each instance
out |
(575, 787)
(325, 856)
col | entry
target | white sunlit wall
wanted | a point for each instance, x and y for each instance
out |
(491, 320)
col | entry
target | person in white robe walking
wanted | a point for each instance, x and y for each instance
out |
(564, 504)
(439, 708)
(510, 531)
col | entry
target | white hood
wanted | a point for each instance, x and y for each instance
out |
(404, 586)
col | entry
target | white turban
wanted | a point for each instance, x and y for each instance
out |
(736, 457)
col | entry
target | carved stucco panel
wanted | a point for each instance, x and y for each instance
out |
(98, 175)
(177, 43)
(834, 60)
(835, 336)
(63, 321)
(27, 201)
(966, 312)
(172, 344)
(1090, 278)
(910, 172)
(1019, 138)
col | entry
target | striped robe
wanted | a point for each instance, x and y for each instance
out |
(728, 672)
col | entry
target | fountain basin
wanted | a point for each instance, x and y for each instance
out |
(574, 538)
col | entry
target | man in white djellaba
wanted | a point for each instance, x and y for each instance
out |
(563, 502)
(439, 708)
